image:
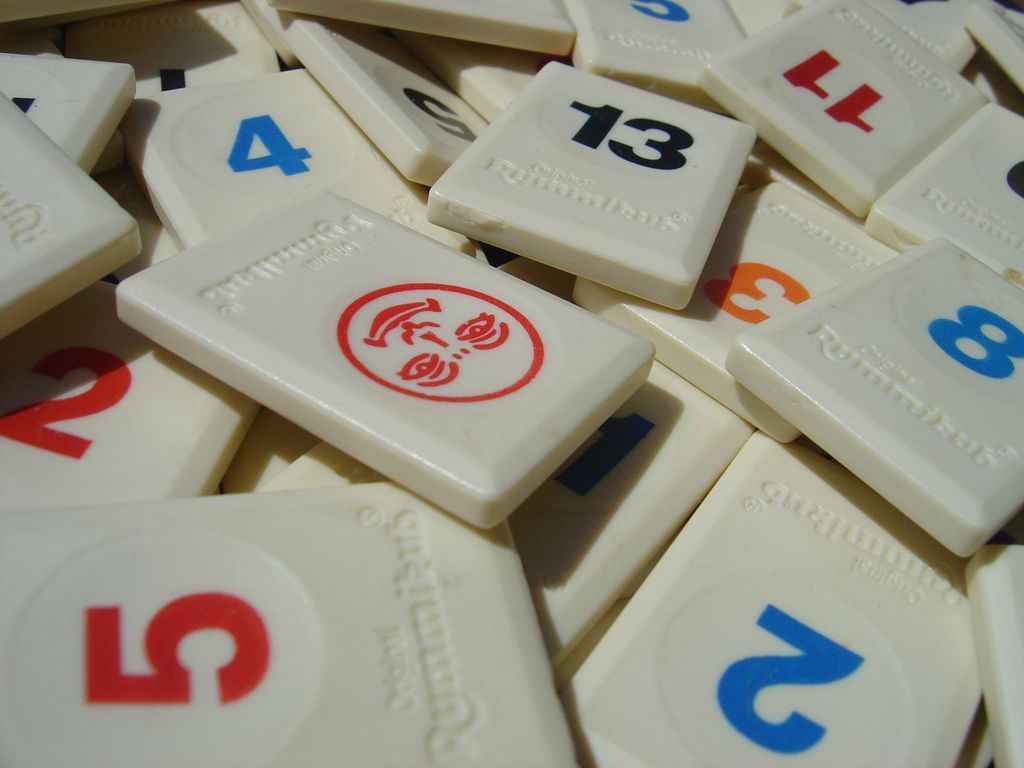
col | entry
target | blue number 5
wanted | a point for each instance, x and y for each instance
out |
(822, 661)
(279, 151)
(669, 11)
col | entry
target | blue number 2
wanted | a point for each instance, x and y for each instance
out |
(279, 151)
(669, 11)
(822, 661)
(997, 362)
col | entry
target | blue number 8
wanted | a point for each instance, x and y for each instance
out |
(997, 362)
(669, 11)
(822, 661)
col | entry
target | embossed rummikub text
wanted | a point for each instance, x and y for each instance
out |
(832, 348)
(24, 221)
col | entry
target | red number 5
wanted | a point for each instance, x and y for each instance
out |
(105, 683)
(28, 423)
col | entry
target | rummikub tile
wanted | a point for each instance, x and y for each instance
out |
(52, 11)
(796, 619)
(157, 243)
(92, 413)
(177, 44)
(468, 385)
(1000, 31)
(756, 15)
(59, 231)
(215, 156)
(30, 47)
(612, 505)
(413, 118)
(937, 26)
(995, 583)
(579, 653)
(657, 45)
(487, 77)
(271, 24)
(353, 625)
(777, 248)
(845, 95)
(909, 376)
(988, 77)
(322, 466)
(270, 446)
(977, 747)
(765, 165)
(112, 154)
(970, 190)
(534, 25)
(78, 104)
(599, 179)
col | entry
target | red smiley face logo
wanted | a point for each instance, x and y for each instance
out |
(440, 342)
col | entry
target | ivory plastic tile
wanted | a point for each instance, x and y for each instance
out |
(79, 395)
(59, 231)
(322, 466)
(270, 446)
(939, 27)
(215, 156)
(487, 77)
(970, 190)
(1000, 31)
(995, 583)
(988, 77)
(612, 505)
(908, 376)
(579, 653)
(534, 25)
(657, 45)
(756, 15)
(797, 619)
(271, 25)
(845, 95)
(599, 179)
(14, 10)
(78, 104)
(469, 386)
(776, 249)
(157, 243)
(414, 119)
(285, 629)
(112, 154)
(765, 165)
(177, 44)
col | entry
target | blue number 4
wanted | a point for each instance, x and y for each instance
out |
(822, 661)
(279, 151)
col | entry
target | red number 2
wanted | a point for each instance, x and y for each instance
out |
(28, 423)
(105, 683)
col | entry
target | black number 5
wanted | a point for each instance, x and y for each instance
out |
(601, 120)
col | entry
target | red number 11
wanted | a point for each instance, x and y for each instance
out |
(849, 108)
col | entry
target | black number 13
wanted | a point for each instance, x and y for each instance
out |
(601, 120)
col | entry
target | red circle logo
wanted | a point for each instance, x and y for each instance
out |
(440, 342)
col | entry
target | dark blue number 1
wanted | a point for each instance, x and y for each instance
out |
(279, 151)
(822, 661)
(619, 436)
